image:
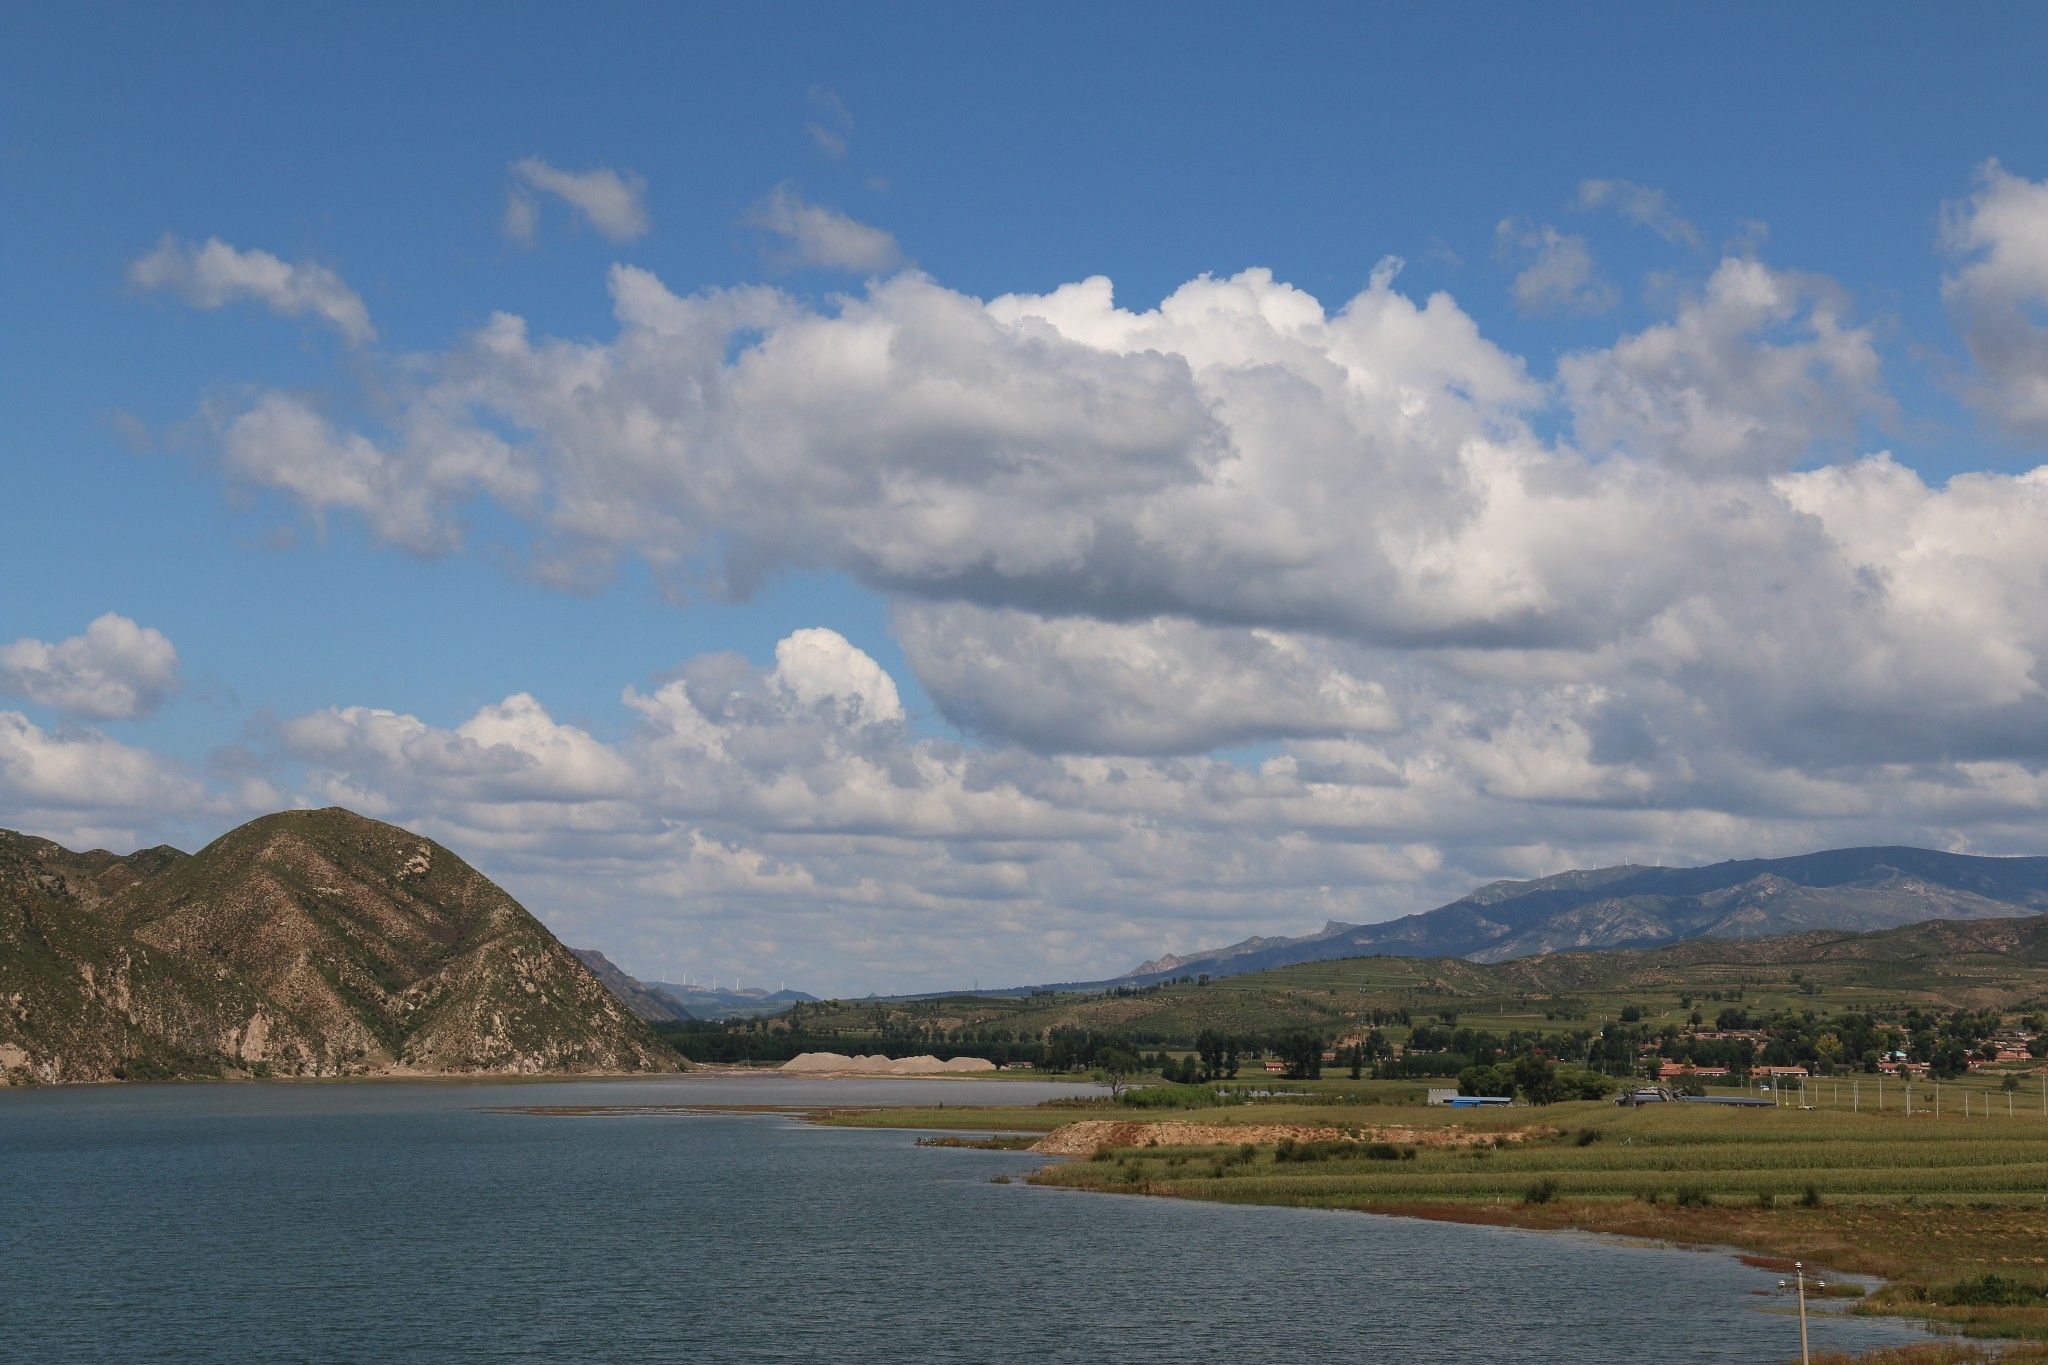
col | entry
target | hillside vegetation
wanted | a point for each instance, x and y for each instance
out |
(1996, 966)
(307, 943)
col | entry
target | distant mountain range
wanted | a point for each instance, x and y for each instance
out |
(660, 1002)
(307, 943)
(1857, 889)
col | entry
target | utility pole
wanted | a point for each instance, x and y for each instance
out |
(1799, 1271)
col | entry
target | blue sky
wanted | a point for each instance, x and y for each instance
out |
(1010, 152)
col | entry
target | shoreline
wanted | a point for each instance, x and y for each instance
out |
(1941, 1335)
(686, 1069)
(1834, 1241)
(374, 1078)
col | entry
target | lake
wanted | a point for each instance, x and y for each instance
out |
(413, 1221)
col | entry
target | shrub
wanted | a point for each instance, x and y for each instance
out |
(1767, 1200)
(1180, 1097)
(999, 1180)
(1382, 1151)
(1692, 1197)
(1992, 1291)
(1542, 1192)
(1811, 1199)
(1587, 1137)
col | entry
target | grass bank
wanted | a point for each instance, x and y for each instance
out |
(1951, 1212)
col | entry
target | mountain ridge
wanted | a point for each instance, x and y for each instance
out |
(1636, 906)
(664, 1002)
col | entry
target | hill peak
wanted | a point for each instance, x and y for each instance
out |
(307, 942)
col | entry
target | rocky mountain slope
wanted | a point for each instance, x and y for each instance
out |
(646, 1002)
(1632, 907)
(307, 943)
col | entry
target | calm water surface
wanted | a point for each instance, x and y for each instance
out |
(411, 1222)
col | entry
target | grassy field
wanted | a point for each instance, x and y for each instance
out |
(1932, 1205)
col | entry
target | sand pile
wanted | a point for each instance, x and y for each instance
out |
(838, 1063)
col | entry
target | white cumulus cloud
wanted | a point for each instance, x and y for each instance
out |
(821, 667)
(812, 235)
(1560, 275)
(63, 782)
(404, 489)
(115, 670)
(214, 274)
(1163, 686)
(1998, 292)
(613, 202)
(1644, 206)
(1752, 374)
(509, 752)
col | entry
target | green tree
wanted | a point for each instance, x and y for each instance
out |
(1535, 1078)
(1585, 1085)
(1485, 1080)
(1114, 1067)
(1303, 1053)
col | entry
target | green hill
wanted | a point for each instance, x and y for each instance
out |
(307, 943)
(1992, 964)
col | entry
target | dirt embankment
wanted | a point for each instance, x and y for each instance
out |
(1092, 1135)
